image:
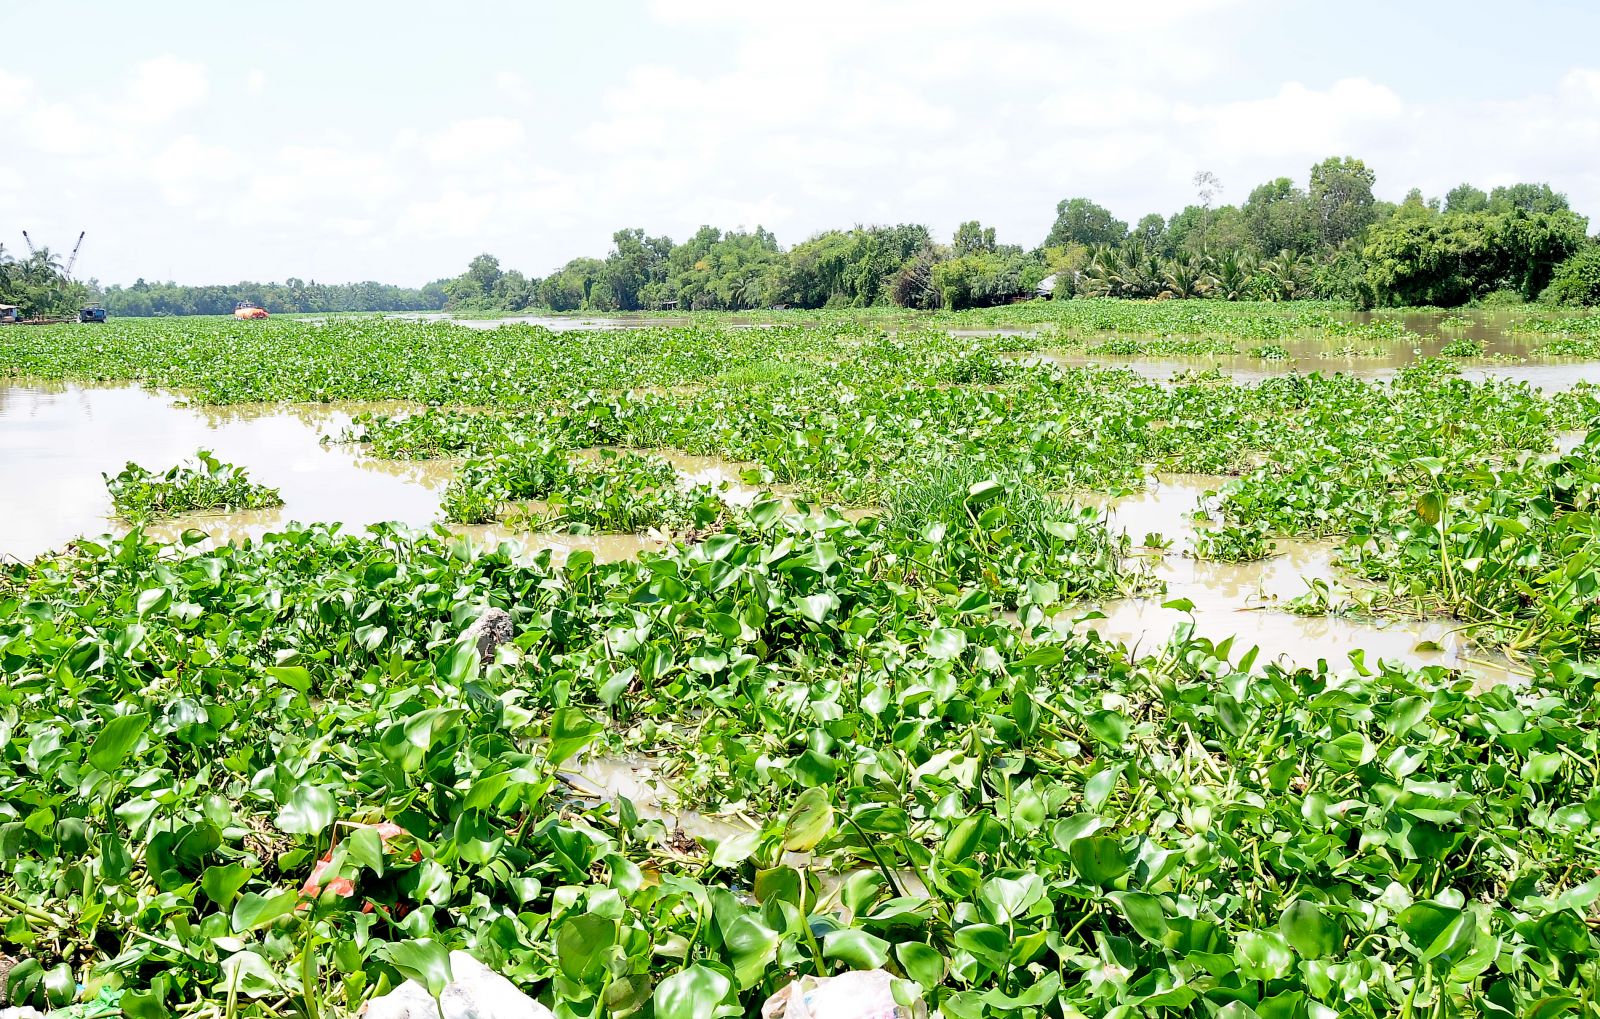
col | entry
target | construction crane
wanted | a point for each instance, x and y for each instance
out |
(72, 260)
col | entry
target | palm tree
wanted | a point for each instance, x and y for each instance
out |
(1187, 276)
(1285, 277)
(1233, 274)
(747, 290)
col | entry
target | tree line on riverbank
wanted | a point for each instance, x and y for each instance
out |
(1330, 240)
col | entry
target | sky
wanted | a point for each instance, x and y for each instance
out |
(349, 140)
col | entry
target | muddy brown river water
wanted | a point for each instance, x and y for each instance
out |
(56, 440)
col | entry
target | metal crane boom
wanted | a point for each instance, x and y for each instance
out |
(73, 259)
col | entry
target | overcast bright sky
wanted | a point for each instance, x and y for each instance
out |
(212, 142)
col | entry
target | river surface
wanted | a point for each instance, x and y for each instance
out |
(1249, 600)
(56, 441)
(1508, 354)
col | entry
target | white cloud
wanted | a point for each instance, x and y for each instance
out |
(164, 87)
(514, 87)
(794, 117)
(473, 140)
(16, 92)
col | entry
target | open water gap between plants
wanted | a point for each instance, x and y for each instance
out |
(57, 439)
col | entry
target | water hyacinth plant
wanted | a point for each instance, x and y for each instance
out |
(278, 777)
(209, 484)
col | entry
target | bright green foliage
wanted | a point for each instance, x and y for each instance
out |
(984, 278)
(1080, 221)
(38, 286)
(1001, 532)
(139, 494)
(1449, 259)
(1016, 820)
(618, 493)
(1576, 280)
(1462, 347)
(902, 750)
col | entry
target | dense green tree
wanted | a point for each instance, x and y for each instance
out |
(713, 270)
(1465, 198)
(1198, 230)
(971, 238)
(1576, 280)
(1341, 199)
(1453, 258)
(983, 278)
(1530, 198)
(635, 264)
(1150, 233)
(850, 269)
(1279, 217)
(475, 289)
(1080, 221)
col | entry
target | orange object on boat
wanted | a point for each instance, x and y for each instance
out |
(244, 310)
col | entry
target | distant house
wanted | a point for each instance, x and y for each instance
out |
(1045, 287)
(10, 313)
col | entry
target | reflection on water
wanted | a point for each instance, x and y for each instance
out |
(524, 545)
(639, 782)
(1246, 599)
(1508, 354)
(57, 440)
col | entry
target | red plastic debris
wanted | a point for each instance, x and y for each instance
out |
(343, 886)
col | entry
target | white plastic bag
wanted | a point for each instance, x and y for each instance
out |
(475, 992)
(859, 994)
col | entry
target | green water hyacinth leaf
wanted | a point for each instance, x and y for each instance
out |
(809, 822)
(422, 959)
(1144, 914)
(752, 947)
(1263, 955)
(309, 810)
(990, 944)
(582, 945)
(1438, 931)
(253, 910)
(222, 883)
(946, 643)
(1099, 859)
(856, 948)
(249, 975)
(1011, 898)
(698, 992)
(921, 963)
(1347, 752)
(295, 677)
(1310, 930)
(117, 740)
(570, 731)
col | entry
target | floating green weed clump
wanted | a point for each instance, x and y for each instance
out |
(616, 492)
(1172, 346)
(1463, 347)
(1002, 532)
(210, 484)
